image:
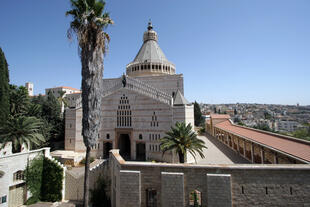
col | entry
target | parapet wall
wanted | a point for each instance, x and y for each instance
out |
(218, 185)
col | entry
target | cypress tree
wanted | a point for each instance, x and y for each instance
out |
(4, 88)
(197, 114)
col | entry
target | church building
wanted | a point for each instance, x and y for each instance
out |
(138, 108)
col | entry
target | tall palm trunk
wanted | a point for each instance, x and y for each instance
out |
(86, 178)
(92, 69)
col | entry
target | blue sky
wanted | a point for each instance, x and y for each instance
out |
(254, 51)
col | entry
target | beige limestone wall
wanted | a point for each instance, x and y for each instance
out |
(251, 185)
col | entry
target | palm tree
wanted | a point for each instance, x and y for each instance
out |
(61, 98)
(181, 139)
(89, 23)
(21, 131)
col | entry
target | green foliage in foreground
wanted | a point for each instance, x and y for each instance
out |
(182, 139)
(44, 180)
(98, 196)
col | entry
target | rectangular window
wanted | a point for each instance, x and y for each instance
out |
(3, 199)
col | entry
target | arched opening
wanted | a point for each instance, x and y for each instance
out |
(195, 198)
(106, 149)
(124, 146)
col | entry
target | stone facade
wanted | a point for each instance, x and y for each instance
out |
(230, 185)
(138, 108)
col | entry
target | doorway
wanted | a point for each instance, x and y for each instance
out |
(106, 149)
(124, 146)
(140, 151)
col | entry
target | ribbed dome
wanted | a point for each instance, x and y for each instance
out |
(150, 59)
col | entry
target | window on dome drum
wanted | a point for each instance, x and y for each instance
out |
(123, 113)
(151, 198)
(18, 176)
(195, 198)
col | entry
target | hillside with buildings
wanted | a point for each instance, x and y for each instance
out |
(291, 120)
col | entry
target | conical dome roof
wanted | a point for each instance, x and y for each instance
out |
(150, 59)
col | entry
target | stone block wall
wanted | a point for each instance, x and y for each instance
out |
(172, 187)
(248, 184)
(219, 190)
(130, 188)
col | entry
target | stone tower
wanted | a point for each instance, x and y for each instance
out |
(29, 87)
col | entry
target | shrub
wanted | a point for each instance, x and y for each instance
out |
(52, 181)
(44, 180)
(33, 177)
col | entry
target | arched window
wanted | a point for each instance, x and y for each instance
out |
(140, 136)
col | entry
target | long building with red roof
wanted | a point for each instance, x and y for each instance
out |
(258, 146)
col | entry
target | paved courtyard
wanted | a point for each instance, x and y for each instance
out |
(217, 153)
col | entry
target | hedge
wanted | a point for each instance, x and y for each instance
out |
(44, 180)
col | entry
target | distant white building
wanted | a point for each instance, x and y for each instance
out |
(287, 126)
(29, 87)
(68, 91)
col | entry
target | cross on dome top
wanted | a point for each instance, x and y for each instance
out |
(150, 26)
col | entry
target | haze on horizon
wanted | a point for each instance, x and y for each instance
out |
(229, 51)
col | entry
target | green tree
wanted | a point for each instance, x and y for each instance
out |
(181, 139)
(4, 88)
(199, 120)
(33, 177)
(302, 133)
(19, 100)
(262, 126)
(89, 24)
(44, 180)
(21, 130)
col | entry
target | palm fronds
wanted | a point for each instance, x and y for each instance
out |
(182, 139)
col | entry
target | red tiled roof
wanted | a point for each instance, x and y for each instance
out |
(66, 87)
(220, 116)
(295, 148)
